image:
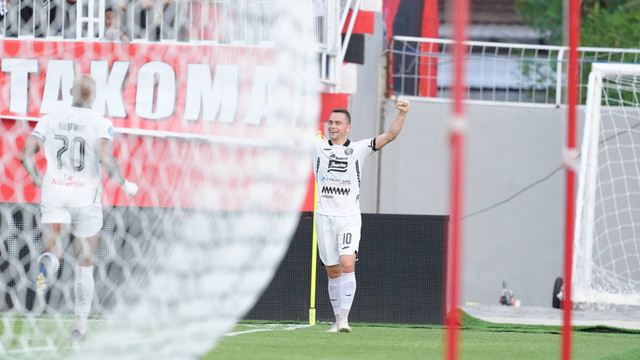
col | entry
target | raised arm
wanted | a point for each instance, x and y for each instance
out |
(112, 168)
(395, 128)
(26, 156)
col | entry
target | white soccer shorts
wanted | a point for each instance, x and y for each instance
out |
(85, 221)
(337, 235)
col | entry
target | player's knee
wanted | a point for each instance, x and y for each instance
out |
(85, 261)
(348, 263)
(334, 271)
(348, 267)
(84, 258)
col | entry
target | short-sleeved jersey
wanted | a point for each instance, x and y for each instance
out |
(337, 170)
(71, 139)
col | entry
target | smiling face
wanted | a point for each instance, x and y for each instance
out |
(339, 127)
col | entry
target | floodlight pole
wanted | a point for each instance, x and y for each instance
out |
(571, 158)
(457, 140)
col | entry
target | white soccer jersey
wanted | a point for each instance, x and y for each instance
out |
(73, 177)
(337, 170)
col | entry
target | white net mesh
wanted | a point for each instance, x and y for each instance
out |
(607, 250)
(212, 131)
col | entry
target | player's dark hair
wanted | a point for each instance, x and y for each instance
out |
(345, 112)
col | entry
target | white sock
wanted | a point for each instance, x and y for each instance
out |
(52, 260)
(83, 296)
(347, 292)
(334, 295)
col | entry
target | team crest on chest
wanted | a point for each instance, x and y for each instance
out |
(348, 151)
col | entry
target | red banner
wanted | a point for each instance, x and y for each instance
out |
(158, 93)
(142, 86)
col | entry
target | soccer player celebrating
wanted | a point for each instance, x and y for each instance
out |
(337, 169)
(75, 143)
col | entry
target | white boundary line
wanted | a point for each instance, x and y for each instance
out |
(268, 328)
(246, 332)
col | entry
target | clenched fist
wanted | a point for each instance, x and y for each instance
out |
(403, 105)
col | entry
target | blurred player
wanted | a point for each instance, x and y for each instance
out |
(337, 169)
(75, 143)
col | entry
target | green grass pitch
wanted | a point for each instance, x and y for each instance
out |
(479, 339)
(259, 340)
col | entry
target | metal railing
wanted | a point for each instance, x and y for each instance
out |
(139, 20)
(496, 72)
(331, 19)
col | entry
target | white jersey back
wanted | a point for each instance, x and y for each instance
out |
(337, 170)
(73, 177)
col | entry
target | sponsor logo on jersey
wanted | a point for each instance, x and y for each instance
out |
(68, 182)
(335, 165)
(333, 156)
(332, 181)
(334, 190)
(69, 126)
(111, 132)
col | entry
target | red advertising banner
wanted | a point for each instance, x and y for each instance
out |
(141, 86)
(159, 97)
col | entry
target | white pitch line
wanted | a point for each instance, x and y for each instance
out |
(246, 332)
(23, 351)
(270, 327)
(295, 327)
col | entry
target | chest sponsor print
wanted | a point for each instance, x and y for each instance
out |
(336, 165)
(334, 190)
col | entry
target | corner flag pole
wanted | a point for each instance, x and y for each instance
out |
(314, 256)
(314, 253)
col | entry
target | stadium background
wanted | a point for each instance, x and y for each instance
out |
(509, 148)
(400, 269)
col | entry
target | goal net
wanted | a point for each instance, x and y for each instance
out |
(211, 103)
(607, 234)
